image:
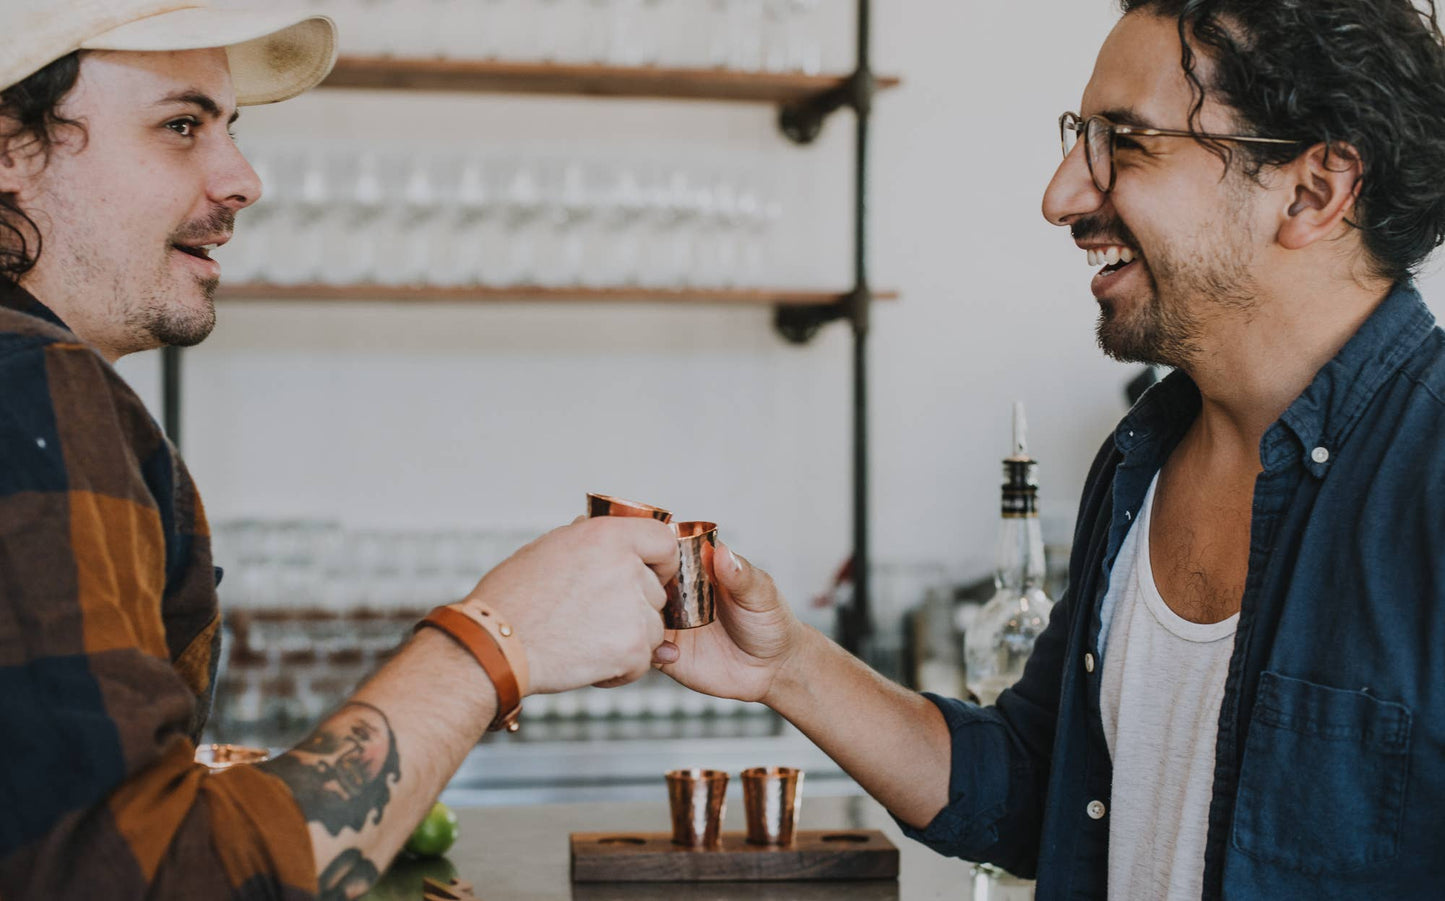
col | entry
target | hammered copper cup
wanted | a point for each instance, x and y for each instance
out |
(602, 505)
(772, 796)
(221, 757)
(697, 798)
(692, 594)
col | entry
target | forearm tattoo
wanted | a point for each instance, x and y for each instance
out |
(341, 777)
(347, 878)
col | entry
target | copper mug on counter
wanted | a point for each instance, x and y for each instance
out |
(772, 796)
(697, 798)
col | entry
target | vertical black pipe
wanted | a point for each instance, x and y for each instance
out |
(171, 393)
(859, 627)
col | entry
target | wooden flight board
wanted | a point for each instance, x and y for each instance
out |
(838, 854)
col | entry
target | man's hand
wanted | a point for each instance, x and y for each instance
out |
(586, 600)
(740, 654)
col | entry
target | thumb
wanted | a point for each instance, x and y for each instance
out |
(749, 587)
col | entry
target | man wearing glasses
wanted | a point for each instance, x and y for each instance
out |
(1242, 693)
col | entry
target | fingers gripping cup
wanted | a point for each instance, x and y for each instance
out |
(697, 799)
(692, 595)
(772, 796)
(602, 505)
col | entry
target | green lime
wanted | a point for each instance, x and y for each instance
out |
(435, 834)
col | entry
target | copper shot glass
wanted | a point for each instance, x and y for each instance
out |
(772, 796)
(692, 594)
(221, 757)
(697, 798)
(602, 505)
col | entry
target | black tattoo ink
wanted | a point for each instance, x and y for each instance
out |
(344, 771)
(348, 877)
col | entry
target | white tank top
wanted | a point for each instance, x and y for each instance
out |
(1162, 685)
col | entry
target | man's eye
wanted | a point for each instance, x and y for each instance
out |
(1125, 143)
(183, 127)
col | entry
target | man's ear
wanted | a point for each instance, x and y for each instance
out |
(1322, 185)
(9, 165)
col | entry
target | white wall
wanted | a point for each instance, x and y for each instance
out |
(505, 415)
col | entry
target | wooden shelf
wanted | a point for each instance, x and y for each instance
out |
(534, 294)
(491, 76)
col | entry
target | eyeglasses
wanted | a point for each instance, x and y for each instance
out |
(1100, 136)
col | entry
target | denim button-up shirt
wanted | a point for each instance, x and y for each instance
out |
(1329, 775)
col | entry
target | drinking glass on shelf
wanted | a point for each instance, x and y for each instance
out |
(360, 203)
(777, 34)
(571, 215)
(522, 211)
(612, 254)
(758, 216)
(745, 35)
(805, 50)
(480, 243)
(544, 33)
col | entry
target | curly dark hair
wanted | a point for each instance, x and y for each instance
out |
(1368, 73)
(29, 121)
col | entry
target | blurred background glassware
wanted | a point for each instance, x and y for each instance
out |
(697, 798)
(899, 590)
(394, 216)
(1000, 637)
(772, 799)
(692, 593)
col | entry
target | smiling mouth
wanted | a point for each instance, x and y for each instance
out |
(199, 251)
(1112, 258)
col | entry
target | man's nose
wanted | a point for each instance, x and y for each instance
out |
(234, 183)
(1072, 192)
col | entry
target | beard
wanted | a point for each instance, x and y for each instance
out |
(169, 324)
(181, 324)
(1185, 290)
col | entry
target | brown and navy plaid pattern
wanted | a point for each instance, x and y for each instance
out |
(109, 634)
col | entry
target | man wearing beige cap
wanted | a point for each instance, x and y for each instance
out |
(117, 176)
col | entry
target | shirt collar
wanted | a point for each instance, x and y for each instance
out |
(1161, 416)
(1324, 415)
(1321, 418)
(17, 298)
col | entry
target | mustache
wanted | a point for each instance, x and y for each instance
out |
(219, 220)
(1101, 227)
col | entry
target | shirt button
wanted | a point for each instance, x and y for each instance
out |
(1096, 810)
(1088, 663)
(1320, 455)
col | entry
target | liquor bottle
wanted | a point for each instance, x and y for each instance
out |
(999, 638)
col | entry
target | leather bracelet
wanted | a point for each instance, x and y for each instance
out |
(484, 646)
(506, 639)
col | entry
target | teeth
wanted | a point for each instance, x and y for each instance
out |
(209, 247)
(1110, 256)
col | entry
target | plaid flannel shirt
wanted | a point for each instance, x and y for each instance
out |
(109, 636)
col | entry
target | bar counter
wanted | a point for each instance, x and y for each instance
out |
(521, 852)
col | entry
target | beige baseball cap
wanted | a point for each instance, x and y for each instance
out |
(275, 53)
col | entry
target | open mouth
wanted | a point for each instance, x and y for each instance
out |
(1112, 259)
(199, 251)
